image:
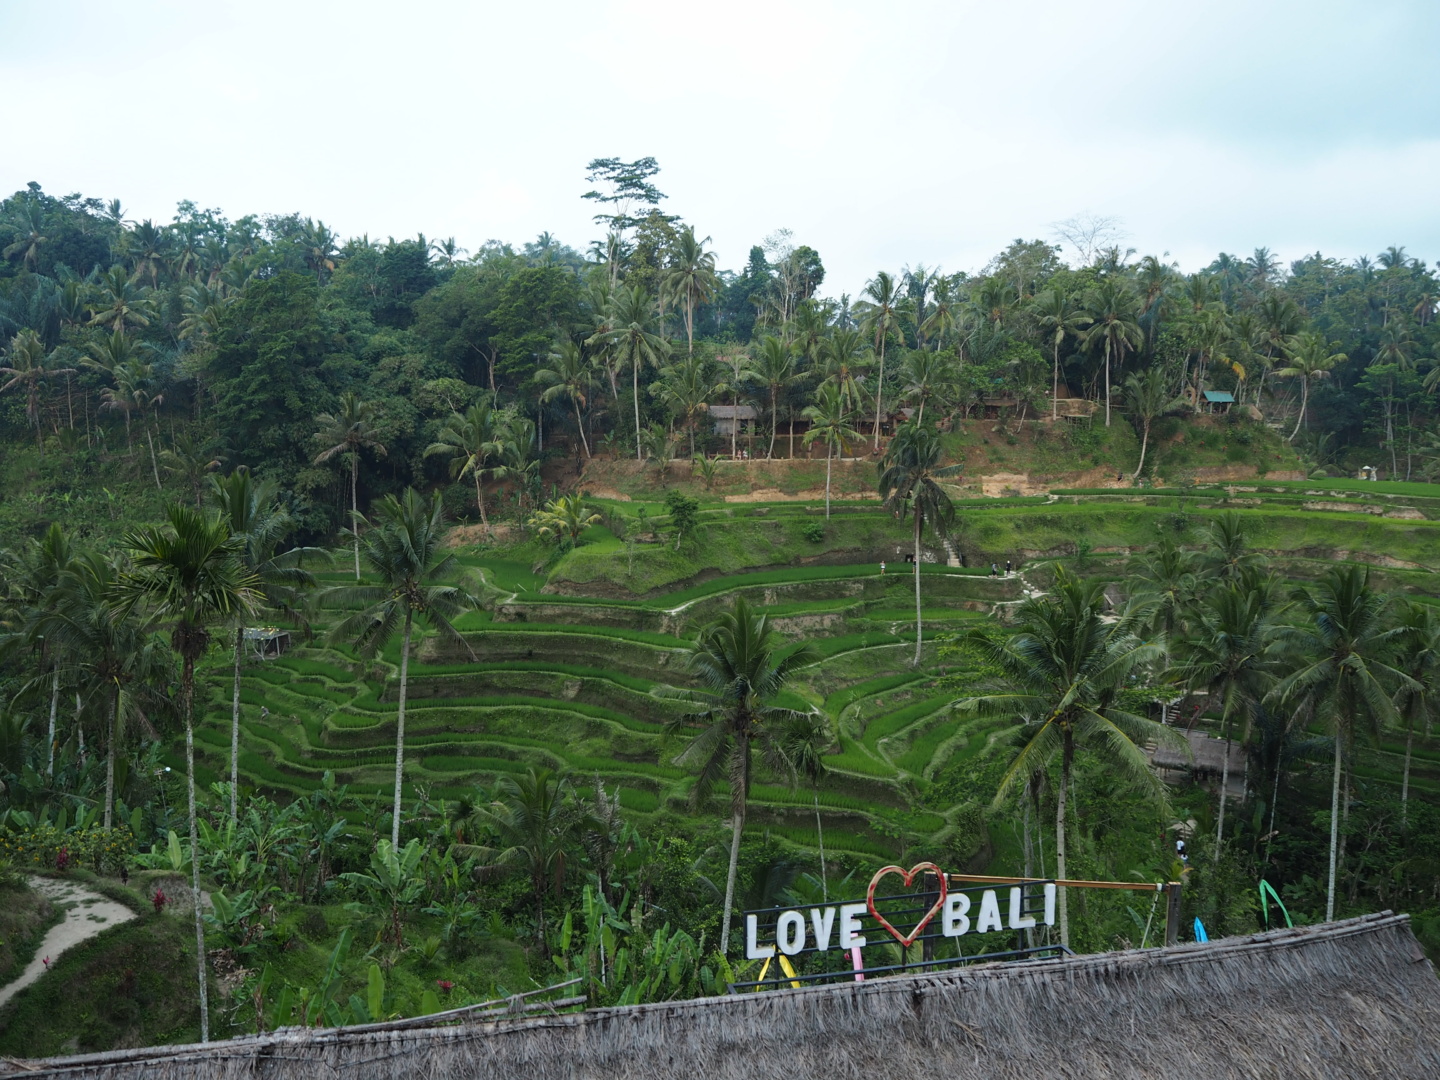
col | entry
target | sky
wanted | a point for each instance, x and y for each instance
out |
(913, 132)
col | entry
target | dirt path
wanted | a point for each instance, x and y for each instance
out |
(86, 914)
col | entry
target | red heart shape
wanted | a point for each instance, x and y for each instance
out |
(908, 875)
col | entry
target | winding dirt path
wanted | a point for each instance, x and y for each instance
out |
(86, 914)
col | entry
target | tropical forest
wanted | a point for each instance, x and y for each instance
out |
(391, 626)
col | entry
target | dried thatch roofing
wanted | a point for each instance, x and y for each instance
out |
(1350, 999)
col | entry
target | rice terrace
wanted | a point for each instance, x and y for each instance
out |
(680, 645)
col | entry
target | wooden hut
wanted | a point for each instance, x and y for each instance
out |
(1355, 999)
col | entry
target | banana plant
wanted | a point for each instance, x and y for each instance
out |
(394, 881)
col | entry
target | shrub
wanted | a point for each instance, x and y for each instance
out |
(813, 531)
(49, 847)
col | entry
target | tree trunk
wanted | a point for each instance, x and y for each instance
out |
(187, 693)
(154, 467)
(355, 507)
(635, 383)
(580, 426)
(235, 729)
(400, 730)
(829, 457)
(770, 453)
(1405, 776)
(918, 625)
(739, 827)
(1334, 833)
(1144, 442)
(1067, 756)
(1224, 783)
(1304, 398)
(110, 758)
(879, 392)
(480, 504)
(1107, 382)
(50, 733)
(1055, 389)
(820, 838)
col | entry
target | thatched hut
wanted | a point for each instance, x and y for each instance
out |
(1349, 999)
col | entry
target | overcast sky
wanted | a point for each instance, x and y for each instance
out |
(882, 134)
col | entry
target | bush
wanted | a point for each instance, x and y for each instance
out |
(45, 847)
(813, 531)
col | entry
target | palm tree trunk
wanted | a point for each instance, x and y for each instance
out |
(480, 503)
(879, 391)
(1334, 833)
(154, 467)
(635, 384)
(355, 507)
(1067, 756)
(1224, 783)
(1055, 388)
(400, 730)
(110, 758)
(739, 826)
(918, 626)
(829, 458)
(770, 453)
(1304, 396)
(235, 729)
(1144, 442)
(820, 838)
(187, 693)
(580, 426)
(1405, 776)
(50, 733)
(1107, 382)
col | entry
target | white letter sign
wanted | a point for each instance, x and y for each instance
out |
(955, 922)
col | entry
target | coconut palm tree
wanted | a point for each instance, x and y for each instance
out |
(910, 475)
(1146, 397)
(1418, 646)
(829, 421)
(570, 375)
(404, 552)
(773, 367)
(633, 340)
(923, 375)
(1058, 318)
(28, 365)
(1341, 672)
(251, 510)
(1230, 654)
(690, 278)
(1166, 581)
(29, 224)
(473, 440)
(1113, 310)
(1228, 556)
(1061, 675)
(805, 738)
(742, 665)
(191, 575)
(564, 519)
(1309, 358)
(842, 358)
(879, 310)
(345, 434)
(684, 388)
(118, 302)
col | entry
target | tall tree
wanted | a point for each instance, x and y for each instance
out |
(345, 434)
(774, 368)
(191, 575)
(879, 310)
(569, 375)
(910, 475)
(1341, 672)
(1113, 311)
(473, 441)
(634, 341)
(404, 551)
(1061, 675)
(1058, 318)
(690, 278)
(1418, 649)
(829, 420)
(1146, 396)
(805, 738)
(743, 665)
(28, 364)
(1309, 358)
(251, 510)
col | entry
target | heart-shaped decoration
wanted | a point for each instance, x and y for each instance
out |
(908, 876)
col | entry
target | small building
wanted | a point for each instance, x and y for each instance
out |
(266, 642)
(726, 418)
(1215, 399)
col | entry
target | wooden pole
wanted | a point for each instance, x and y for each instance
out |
(1172, 913)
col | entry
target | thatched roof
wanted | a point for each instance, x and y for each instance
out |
(1350, 999)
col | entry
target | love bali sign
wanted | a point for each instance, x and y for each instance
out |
(841, 926)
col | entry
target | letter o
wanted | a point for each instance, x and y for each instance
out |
(790, 932)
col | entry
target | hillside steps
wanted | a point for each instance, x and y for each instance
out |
(952, 557)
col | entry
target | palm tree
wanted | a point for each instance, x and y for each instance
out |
(690, 278)
(28, 365)
(1310, 358)
(633, 340)
(570, 375)
(879, 311)
(804, 740)
(1059, 318)
(565, 518)
(346, 433)
(1061, 675)
(1228, 556)
(194, 461)
(1230, 653)
(773, 368)
(404, 552)
(535, 827)
(842, 358)
(1165, 580)
(30, 226)
(684, 388)
(743, 665)
(1113, 312)
(829, 420)
(119, 302)
(1340, 673)
(1146, 397)
(191, 574)
(473, 440)
(1419, 644)
(910, 475)
(250, 509)
(923, 375)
